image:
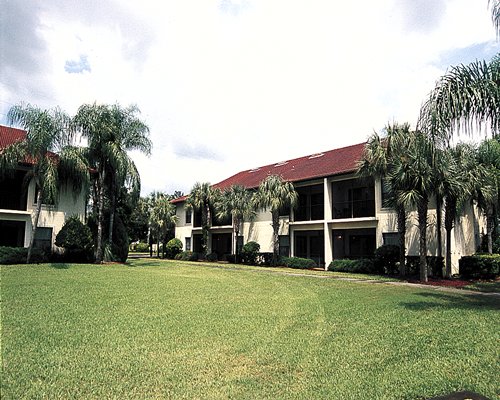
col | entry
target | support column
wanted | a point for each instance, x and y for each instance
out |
(327, 232)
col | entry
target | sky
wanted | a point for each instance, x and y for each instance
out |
(230, 85)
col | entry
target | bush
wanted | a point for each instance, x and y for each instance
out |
(173, 247)
(480, 266)
(140, 247)
(386, 260)
(17, 255)
(297, 262)
(359, 266)
(231, 258)
(265, 259)
(76, 239)
(249, 253)
(434, 265)
(212, 257)
(187, 256)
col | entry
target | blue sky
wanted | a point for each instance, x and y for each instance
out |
(227, 85)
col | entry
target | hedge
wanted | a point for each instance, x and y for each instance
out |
(480, 266)
(435, 265)
(297, 262)
(187, 256)
(17, 255)
(360, 266)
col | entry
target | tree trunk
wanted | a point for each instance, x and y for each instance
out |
(35, 224)
(111, 217)
(276, 226)
(401, 215)
(236, 228)
(489, 229)
(100, 217)
(422, 207)
(449, 218)
(205, 222)
(439, 217)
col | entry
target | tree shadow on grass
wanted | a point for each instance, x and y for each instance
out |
(453, 301)
(60, 265)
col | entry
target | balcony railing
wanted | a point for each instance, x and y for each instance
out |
(354, 209)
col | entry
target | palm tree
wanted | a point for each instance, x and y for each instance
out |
(467, 97)
(487, 191)
(45, 133)
(414, 176)
(495, 14)
(275, 194)
(458, 175)
(111, 131)
(236, 202)
(382, 157)
(162, 217)
(202, 197)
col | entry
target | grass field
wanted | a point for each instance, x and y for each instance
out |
(156, 329)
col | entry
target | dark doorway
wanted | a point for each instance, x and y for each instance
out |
(221, 244)
(310, 244)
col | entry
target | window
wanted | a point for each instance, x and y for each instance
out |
(43, 238)
(391, 238)
(189, 214)
(284, 245)
(188, 244)
(310, 203)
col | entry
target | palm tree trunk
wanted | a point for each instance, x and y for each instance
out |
(439, 217)
(489, 229)
(100, 217)
(422, 208)
(205, 221)
(236, 228)
(401, 215)
(449, 217)
(111, 217)
(276, 225)
(35, 224)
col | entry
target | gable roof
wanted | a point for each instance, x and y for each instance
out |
(320, 165)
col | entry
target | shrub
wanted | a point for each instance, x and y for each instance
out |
(76, 239)
(265, 259)
(359, 266)
(173, 247)
(187, 256)
(249, 253)
(17, 255)
(231, 258)
(212, 257)
(298, 262)
(434, 265)
(386, 260)
(480, 266)
(141, 247)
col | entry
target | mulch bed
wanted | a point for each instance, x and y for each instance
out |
(455, 283)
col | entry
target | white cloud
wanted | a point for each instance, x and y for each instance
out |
(227, 85)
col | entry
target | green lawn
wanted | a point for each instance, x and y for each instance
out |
(156, 329)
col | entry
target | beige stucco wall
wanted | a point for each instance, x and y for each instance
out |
(465, 236)
(50, 216)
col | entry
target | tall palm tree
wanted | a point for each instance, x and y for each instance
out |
(202, 197)
(381, 158)
(465, 98)
(162, 217)
(275, 194)
(46, 132)
(236, 202)
(457, 178)
(415, 177)
(487, 191)
(111, 131)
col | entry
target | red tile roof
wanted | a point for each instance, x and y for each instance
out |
(328, 163)
(10, 136)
